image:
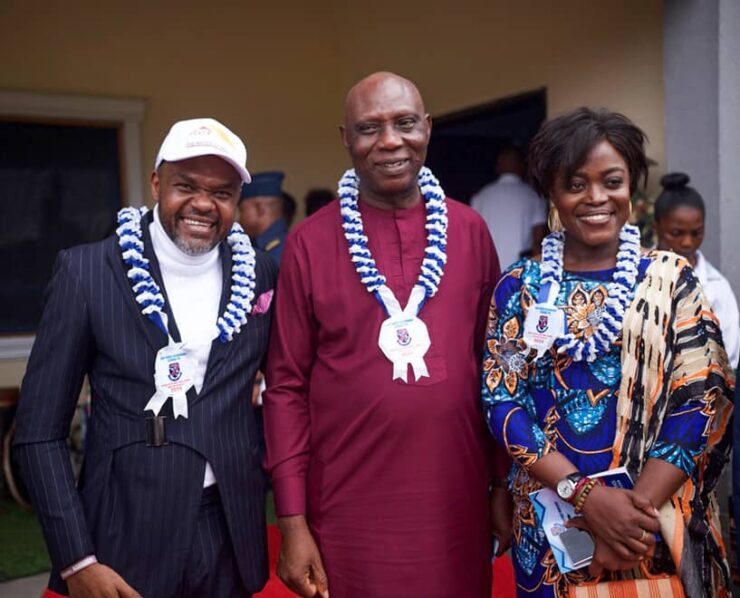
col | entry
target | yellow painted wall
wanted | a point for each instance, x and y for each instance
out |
(262, 69)
(276, 72)
(463, 53)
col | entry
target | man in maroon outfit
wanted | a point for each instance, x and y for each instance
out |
(382, 485)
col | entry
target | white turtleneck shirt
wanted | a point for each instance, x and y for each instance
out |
(193, 284)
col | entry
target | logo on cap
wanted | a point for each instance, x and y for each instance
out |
(203, 136)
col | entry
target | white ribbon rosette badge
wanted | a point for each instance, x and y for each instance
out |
(404, 338)
(173, 377)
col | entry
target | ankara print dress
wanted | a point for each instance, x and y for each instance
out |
(536, 406)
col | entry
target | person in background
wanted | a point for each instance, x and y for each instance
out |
(381, 471)
(262, 213)
(514, 213)
(679, 226)
(317, 199)
(599, 356)
(265, 211)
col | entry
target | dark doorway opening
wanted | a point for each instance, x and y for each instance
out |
(464, 144)
(60, 186)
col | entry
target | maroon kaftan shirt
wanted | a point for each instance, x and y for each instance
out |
(392, 476)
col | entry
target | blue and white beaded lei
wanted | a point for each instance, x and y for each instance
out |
(435, 253)
(620, 292)
(149, 295)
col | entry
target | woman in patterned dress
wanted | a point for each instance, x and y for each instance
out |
(637, 377)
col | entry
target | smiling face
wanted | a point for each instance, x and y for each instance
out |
(681, 230)
(197, 201)
(386, 132)
(594, 202)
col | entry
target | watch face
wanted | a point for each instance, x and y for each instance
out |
(565, 488)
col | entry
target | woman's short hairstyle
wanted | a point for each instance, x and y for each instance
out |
(676, 193)
(562, 145)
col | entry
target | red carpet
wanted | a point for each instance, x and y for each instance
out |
(503, 573)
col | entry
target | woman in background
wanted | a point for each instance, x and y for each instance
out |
(679, 225)
(597, 357)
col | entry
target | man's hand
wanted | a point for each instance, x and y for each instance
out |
(624, 520)
(99, 581)
(502, 510)
(299, 564)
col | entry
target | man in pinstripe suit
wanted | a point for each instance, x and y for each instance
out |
(166, 506)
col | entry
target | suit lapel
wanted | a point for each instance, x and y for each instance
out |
(155, 337)
(156, 273)
(220, 351)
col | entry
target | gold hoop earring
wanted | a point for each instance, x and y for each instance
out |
(553, 220)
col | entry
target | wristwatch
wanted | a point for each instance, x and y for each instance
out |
(566, 487)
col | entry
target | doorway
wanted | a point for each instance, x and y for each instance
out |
(464, 144)
(60, 186)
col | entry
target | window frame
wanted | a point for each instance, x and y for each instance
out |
(125, 113)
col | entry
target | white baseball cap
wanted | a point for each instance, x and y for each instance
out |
(203, 137)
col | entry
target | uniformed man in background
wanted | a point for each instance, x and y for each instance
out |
(261, 212)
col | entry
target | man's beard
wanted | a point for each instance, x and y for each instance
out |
(192, 248)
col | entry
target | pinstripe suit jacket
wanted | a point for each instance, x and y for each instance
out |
(135, 506)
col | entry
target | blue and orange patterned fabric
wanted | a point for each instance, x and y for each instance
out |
(536, 406)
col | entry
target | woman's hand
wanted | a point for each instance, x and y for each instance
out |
(604, 556)
(623, 520)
